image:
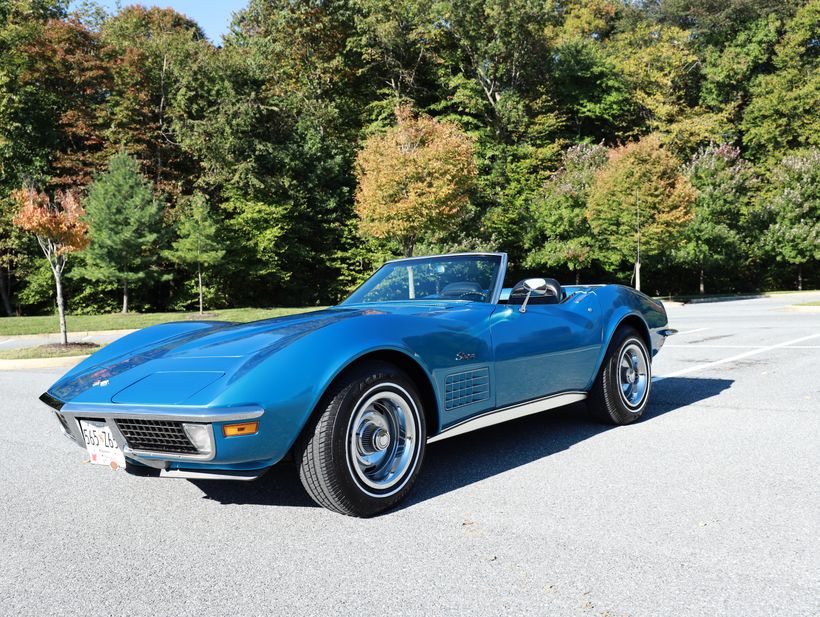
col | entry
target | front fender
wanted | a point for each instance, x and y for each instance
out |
(290, 383)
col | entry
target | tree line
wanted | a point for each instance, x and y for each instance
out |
(586, 138)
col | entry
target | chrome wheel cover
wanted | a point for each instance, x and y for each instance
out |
(382, 439)
(634, 374)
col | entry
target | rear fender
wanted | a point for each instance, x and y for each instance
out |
(622, 318)
(630, 307)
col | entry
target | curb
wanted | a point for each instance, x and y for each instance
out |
(710, 299)
(30, 363)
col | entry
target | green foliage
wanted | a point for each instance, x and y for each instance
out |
(15, 250)
(728, 70)
(39, 289)
(561, 235)
(125, 222)
(714, 22)
(793, 207)
(155, 49)
(723, 183)
(267, 129)
(52, 88)
(639, 200)
(784, 111)
(197, 246)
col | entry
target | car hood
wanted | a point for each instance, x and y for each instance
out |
(185, 360)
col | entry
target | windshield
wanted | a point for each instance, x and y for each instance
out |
(454, 277)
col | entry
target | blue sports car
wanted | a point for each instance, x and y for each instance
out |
(426, 348)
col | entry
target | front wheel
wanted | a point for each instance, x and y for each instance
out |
(365, 450)
(621, 390)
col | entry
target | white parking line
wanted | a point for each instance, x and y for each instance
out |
(699, 346)
(8, 340)
(739, 356)
(682, 332)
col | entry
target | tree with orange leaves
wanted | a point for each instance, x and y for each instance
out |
(415, 179)
(639, 204)
(59, 229)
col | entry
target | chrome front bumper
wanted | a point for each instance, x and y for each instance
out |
(69, 415)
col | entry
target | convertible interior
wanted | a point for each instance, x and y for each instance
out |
(469, 290)
(461, 290)
(555, 294)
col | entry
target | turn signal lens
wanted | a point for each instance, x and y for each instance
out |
(244, 428)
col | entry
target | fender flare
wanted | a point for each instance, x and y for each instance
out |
(622, 316)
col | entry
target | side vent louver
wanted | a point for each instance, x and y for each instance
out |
(466, 388)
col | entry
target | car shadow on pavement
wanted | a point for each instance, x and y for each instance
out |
(460, 461)
(466, 459)
(280, 486)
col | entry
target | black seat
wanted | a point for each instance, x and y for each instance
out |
(555, 294)
(458, 289)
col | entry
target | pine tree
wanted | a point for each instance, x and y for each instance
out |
(124, 219)
(197, 244)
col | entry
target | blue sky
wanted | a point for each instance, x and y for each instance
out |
(213, 16)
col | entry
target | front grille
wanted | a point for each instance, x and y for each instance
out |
(156, 436)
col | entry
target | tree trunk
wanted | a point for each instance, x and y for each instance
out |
(800, 277)
(125, 297)
(5, 294)
(58, 283)
(702, 288)
(638, 275)
(577, 277)
(199, 277)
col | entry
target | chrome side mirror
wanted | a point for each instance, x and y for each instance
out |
(528, 288)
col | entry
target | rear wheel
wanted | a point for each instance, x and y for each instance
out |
(365, 450)
(622, 387)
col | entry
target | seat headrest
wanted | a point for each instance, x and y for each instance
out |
(556, 289)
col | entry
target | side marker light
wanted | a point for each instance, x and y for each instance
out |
(243, 428)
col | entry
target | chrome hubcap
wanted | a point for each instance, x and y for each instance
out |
(382, 439)
(634, 374)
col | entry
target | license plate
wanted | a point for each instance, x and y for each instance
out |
(101, 445)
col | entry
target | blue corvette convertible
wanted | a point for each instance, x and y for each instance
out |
(426, 348)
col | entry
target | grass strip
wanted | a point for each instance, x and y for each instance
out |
(49, 324)
(49, 351)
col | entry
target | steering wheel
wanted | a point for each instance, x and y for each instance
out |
(473, 296)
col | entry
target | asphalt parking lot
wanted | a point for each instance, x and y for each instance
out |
(709, 506)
